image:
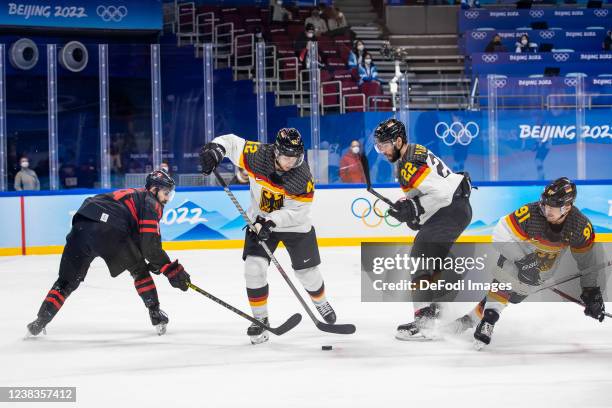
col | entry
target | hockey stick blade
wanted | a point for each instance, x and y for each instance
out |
(280, 330)
(574, 300)
(336, 328)
(288, 325)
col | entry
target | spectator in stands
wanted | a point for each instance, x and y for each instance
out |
(495, 45)
(607, 43)
(165, 166)
(368, 71)
(315, 19)
(524, 45)
(279, 13)
(351, 170)
(240, 177)
(26, 178)
(336, 19)
(356, 56)
(302, 45)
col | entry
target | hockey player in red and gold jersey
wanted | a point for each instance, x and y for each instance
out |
(436, 203)
(531, 242)
(122, 228)
(282, 191)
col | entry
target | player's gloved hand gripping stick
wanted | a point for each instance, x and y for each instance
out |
(330, 328)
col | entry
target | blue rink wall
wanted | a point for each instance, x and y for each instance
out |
(37, 223)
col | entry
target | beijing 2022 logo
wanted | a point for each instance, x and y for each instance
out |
(112, 13)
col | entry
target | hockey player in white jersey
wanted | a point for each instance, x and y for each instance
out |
(436, 203)
(531, 242)
(282, 190)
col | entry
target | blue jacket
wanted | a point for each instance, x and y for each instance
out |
(352, 60)
(368, 74)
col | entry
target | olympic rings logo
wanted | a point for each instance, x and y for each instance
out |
(113, 13)
(570, 82)
(547, 34)
(457, 132)
(479, 35)
(500, 83)
(471, 14)
(362, 208)
(561, 56)
(536, 13)
(489, 58)
(600, 12)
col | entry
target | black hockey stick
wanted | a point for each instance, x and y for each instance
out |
(280, 330)
(599, 267)
(573, 299)
(326, 327)
(366, 172)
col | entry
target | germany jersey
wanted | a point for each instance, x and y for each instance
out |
(422, 174)
(526, 230)
(285, 198)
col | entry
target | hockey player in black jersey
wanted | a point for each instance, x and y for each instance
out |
(531, 242)
(436, 204)
(122, 228)
(282, 191)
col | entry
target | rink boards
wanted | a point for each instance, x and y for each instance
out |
(37, 223)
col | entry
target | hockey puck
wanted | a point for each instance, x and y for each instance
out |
(326, 348)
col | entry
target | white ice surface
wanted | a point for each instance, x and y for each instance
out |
(102, 342)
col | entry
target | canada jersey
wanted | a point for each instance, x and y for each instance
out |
(283, 198)
(422, 174)
(135, 212)
(526, 230)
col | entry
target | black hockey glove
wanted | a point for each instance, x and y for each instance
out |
(210, 157)
(407, 211)
(176, 275)
(593, 303)
(265, 226)
(529, 269)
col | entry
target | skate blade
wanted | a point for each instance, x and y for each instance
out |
(405, 336)
(30, 335)
(478, 345)
(262, 338)
(161, 329)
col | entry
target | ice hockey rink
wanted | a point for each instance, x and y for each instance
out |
(102, 343)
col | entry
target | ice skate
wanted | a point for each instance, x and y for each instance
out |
(159, 319)
(421, 329)
(257, 333)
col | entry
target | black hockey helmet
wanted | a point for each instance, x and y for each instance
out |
(159, 178)
(389, 130)
(289, 143)
(559, 193)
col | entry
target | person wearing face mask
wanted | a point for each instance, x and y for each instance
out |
(495, 45)
(351, 170)
(240, 177)
(26, 178)
(121, 227)
(282, 191)
(531, 242)
(317, 22)
(524, 45)
(368, 71)
(356, 56)
(302, 47)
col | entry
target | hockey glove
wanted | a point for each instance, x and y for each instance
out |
(263, 227)
(593, 303)
(176, 275)
(407, 211)
(210, 157)
(529, 269)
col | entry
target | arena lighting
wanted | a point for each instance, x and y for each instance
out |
(23, 54)
(73, 56)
